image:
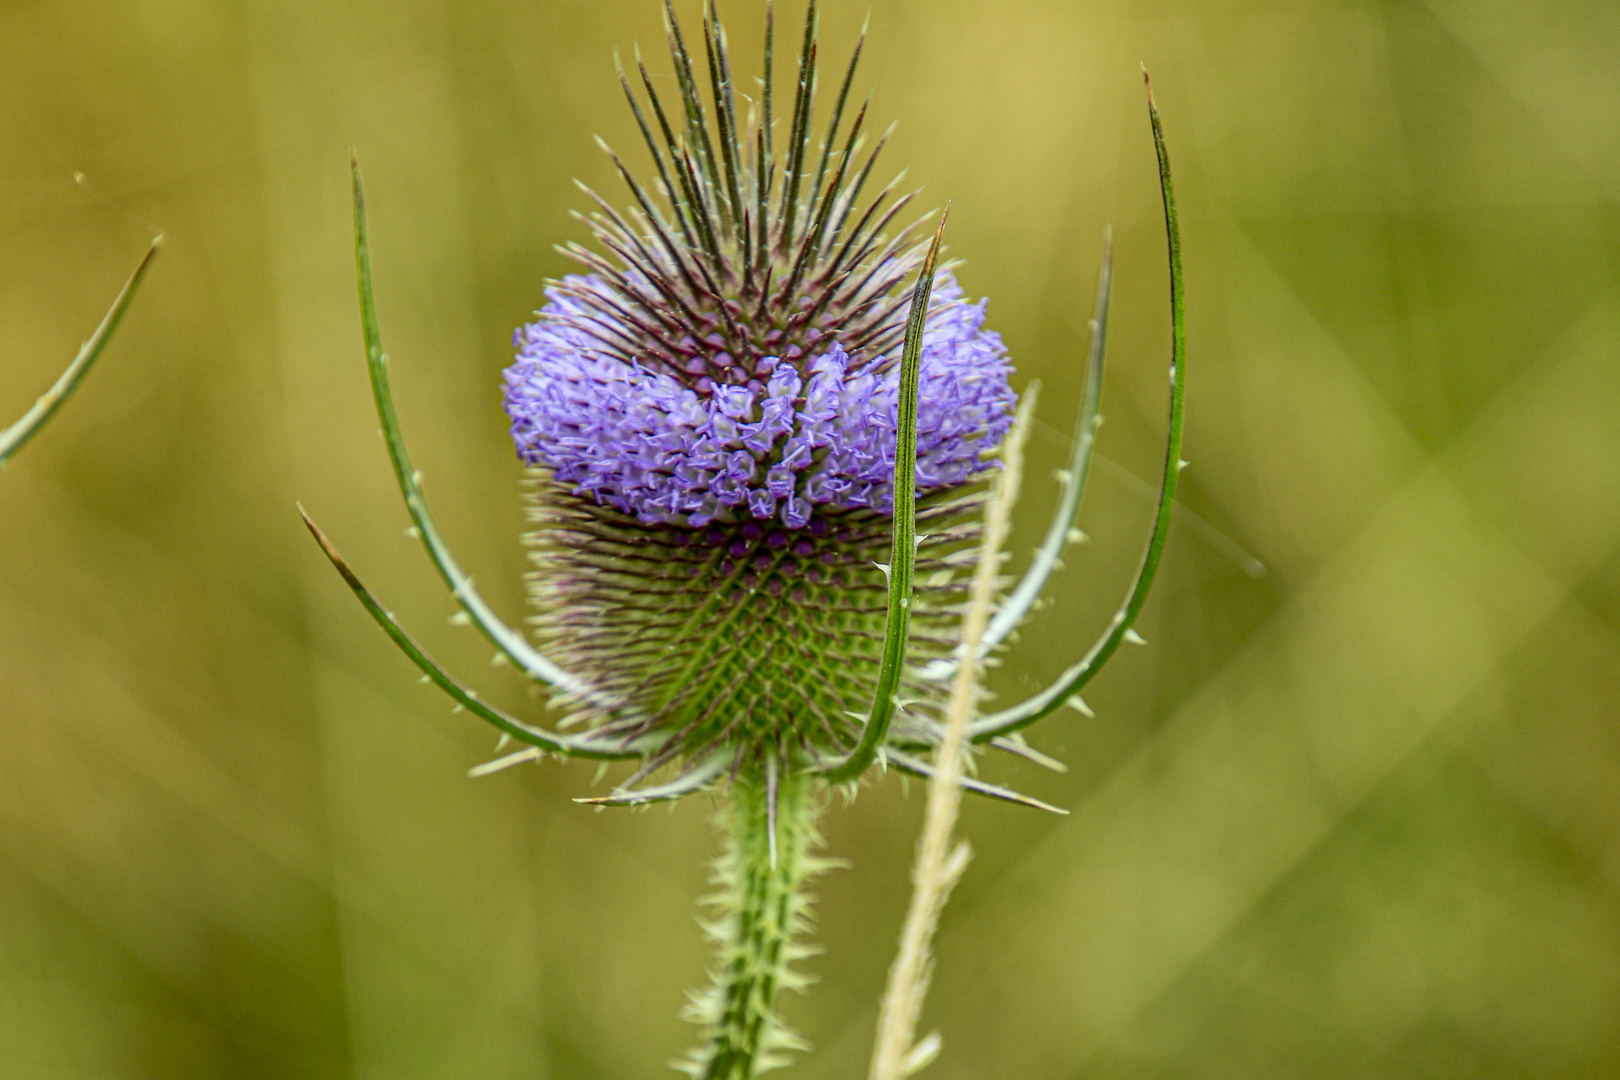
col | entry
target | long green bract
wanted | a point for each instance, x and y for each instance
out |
(1071, 681)
(28, 425)
(503, 637)
(903, 553)
(561, 744)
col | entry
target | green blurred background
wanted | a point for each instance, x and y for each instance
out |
(1357, 818)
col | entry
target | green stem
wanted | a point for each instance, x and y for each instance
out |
(762, 908)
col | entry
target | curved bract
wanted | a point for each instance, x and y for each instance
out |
(28, 425)
(508, 641)
(565, 745)
(1119, 630)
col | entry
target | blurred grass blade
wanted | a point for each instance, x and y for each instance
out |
(545, 740)
(503, 637)
(1071, 681)
(903, 552)
(13, 437)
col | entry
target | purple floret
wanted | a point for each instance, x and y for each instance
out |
(809, 435)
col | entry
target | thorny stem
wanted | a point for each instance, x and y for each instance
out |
(940, 862)
(762, 907)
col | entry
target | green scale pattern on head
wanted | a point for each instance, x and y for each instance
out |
(745, 637)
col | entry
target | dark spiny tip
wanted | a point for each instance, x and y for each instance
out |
(326, 545)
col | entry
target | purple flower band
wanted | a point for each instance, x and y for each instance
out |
(807, 435)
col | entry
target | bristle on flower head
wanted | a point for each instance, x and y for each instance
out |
(712, 406)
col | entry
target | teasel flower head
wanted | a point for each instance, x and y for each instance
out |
(712, 408)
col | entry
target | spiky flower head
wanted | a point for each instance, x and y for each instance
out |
(711, 411)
